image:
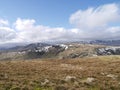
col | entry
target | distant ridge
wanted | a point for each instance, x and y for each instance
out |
(106, 42)
(20, 47)
(25, 47)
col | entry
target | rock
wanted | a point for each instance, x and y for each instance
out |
(112, 76)
(83, 54)
(70, 78)
(89, 80)
(73, 55)
(46, 81)
(108, 51)
(103, 73)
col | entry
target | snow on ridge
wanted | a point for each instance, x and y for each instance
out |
(64, 46)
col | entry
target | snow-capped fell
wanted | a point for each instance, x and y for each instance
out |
(64, 46)
(46, 49)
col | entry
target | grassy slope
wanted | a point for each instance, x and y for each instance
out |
(84, 50)
(51, 74)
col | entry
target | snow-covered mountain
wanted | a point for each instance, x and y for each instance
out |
(34, 50)
(61, 50)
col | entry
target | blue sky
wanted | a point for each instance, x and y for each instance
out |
(54, 20)
(46, 12)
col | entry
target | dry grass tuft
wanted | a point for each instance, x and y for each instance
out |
(97, 73)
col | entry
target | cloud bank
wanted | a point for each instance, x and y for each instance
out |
(98, 23)
(93, 23)
(95, 17)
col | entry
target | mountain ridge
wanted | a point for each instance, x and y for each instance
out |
(62, 50)
(99, 42)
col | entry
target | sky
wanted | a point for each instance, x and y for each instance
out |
(30, 21)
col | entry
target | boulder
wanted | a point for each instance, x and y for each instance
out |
(70, 78)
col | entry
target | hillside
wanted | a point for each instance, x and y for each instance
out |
(43, 50)
(69, 66)
(57, 51)
(98, 73)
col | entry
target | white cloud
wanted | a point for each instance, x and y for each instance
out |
(6, 34)
(24, 24)
(92, 23)
(3, 22)
(29, 32)
(96, 23)
(95, 17)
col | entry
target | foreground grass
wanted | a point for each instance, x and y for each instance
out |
(98, 73)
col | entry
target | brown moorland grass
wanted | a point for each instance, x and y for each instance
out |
(95, 73)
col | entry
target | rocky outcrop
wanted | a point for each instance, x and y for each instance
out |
(108, 51)
(44, 52)
(80, 55)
